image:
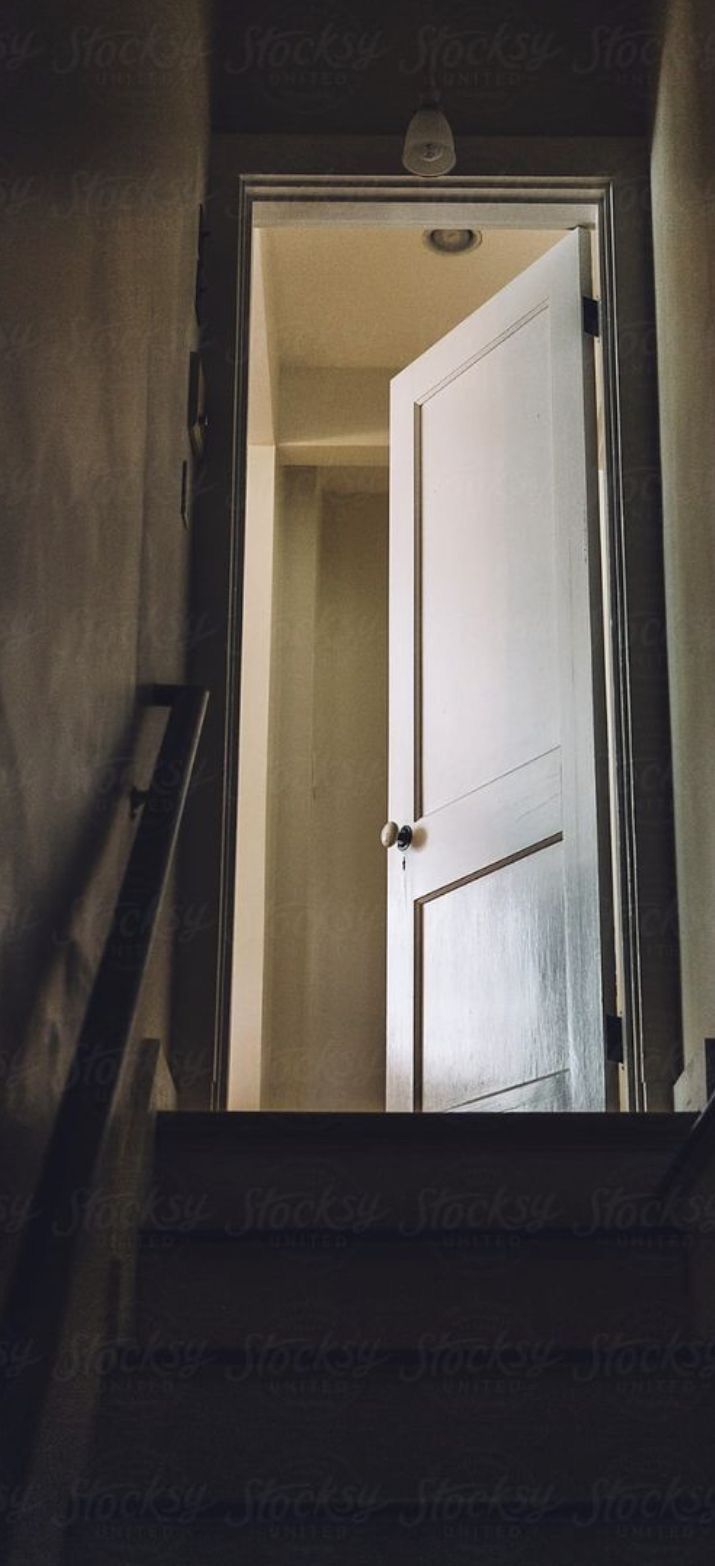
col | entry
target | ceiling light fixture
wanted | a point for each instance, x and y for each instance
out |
(453, 241)
(429, 143)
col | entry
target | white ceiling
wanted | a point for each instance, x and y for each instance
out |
(377, 297)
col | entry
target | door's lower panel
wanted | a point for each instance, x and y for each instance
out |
(492, 1014)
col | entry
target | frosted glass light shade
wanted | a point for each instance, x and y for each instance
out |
(429, 144)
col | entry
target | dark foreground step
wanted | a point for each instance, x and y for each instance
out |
(449, 1525)
(560, 1420)
(306, 1171)
(397, 1289)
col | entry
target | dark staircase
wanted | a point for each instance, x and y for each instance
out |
(421, 1339)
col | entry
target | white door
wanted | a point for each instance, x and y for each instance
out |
(497, 929)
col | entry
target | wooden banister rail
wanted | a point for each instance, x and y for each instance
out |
(692, 1157)
(39, 1286)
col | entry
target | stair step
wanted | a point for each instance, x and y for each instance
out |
(222, 1290)
(391, 1131)
(395, 1338)
(558, 1425)
(310, 1522)
(266, 1171)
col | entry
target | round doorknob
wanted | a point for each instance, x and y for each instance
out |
(391, 834)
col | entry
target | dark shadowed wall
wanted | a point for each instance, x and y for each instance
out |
(105, 125)
(504, 67)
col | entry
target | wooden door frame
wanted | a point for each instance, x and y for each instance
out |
(550, 184)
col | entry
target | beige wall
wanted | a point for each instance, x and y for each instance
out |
(333, 416)
(684, 222)
(247, 982)
(244, 1084)
(324, 994)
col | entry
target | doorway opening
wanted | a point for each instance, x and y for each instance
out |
(340, 304)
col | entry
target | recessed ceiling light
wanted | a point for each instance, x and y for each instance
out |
(453, 241)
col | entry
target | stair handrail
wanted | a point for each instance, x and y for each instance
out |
(693, 1155)
(38, 1289)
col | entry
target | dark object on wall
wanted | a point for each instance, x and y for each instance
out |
(197, 418)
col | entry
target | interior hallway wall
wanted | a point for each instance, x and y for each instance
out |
(684, 229)
(324, 995)
(105, 127)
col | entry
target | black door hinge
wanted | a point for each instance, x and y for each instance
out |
(591, 316)
(614, 1039)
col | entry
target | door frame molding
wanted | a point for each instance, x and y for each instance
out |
(550, 184)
